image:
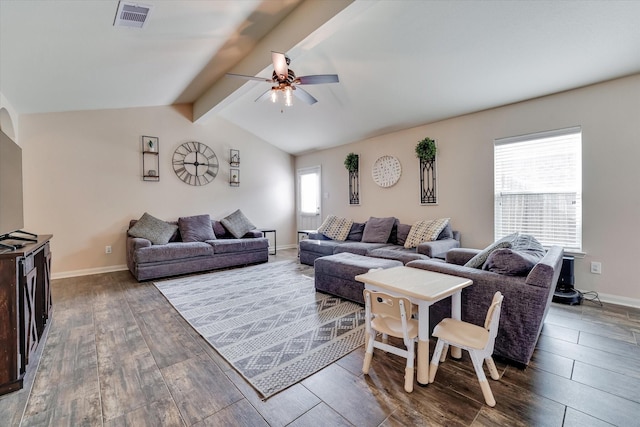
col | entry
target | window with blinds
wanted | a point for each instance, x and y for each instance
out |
(538, 187)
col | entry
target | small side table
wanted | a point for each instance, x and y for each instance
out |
(270, 230)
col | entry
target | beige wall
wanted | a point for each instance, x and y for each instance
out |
(609, 114)
(82, 180)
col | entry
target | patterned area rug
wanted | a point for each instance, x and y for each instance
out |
(268, 321)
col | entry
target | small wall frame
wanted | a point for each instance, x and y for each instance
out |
(234, 177)
(234, 158)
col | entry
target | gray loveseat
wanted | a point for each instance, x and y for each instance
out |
(318, 245)
(526, 299)
(221, 249)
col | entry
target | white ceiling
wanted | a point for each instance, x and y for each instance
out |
(401, 63)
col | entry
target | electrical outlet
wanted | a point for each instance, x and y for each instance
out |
(596, 267)
(107, 249)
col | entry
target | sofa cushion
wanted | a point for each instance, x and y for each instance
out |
(219, 230)
(197, 228)
(226, 246)
(378, 230)
(237, 224)
(478, 260)
(446, 233)
(525, 252)
(355, 234)
(335, 227)
(358, 248)
(424, 231)
(172, 252)
(153, 229)
(402, 234)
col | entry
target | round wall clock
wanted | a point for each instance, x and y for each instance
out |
(195, 163)
(386, 171)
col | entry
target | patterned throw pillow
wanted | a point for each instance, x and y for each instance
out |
(479, 260)
(336, 228)
(237, 224)
(425, 231)
(153, 229)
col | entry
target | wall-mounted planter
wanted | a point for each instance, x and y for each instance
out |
(351, 163)
(426, 152)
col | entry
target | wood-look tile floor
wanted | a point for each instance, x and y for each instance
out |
(118, 354)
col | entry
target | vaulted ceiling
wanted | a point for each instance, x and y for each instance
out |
(401, 63)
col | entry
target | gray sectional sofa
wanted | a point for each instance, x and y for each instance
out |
(318, 245)
(218, 248)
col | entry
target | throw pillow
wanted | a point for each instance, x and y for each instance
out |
(218, 229)
(512, 262)
(153, 229)
(237, 224)
(196, 228)
(378, 230)
(425, 231)
(355, 234)
(446, 233)
(479, 260)
(336, 228)
(393, 237)
(403, 233)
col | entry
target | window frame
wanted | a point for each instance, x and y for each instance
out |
(573, 186)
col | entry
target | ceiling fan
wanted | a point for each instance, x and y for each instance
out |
(286, 82)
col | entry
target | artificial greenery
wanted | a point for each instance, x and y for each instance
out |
(426, 149)
(351, 162)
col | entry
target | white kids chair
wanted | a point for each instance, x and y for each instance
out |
(478, 341)
(390, 315)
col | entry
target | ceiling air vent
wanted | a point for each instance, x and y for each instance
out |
(132, 15)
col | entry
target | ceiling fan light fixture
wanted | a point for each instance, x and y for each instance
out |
(288, 97)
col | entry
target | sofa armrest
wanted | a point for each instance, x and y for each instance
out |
(460, 256)
(253, 234)
(318, 236)
(134, 243)
(437, 248)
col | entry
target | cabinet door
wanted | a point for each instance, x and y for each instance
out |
(29, 326)
(43, 290)
(10, 356)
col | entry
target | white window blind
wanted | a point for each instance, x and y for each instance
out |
(538, 187)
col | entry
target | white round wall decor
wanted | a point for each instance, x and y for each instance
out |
(386, 171)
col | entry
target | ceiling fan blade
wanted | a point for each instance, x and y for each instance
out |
(318, 79)
(242, 76)
(264, 96)
(280, 65)
(304, 95)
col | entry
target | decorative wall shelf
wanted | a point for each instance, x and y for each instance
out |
(234, 158)
(150, 158)
(234, 177)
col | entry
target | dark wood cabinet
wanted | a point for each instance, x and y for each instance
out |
(25, 308)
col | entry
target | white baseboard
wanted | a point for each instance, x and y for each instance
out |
(616, 299)
(293, 246)
(88, 271)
